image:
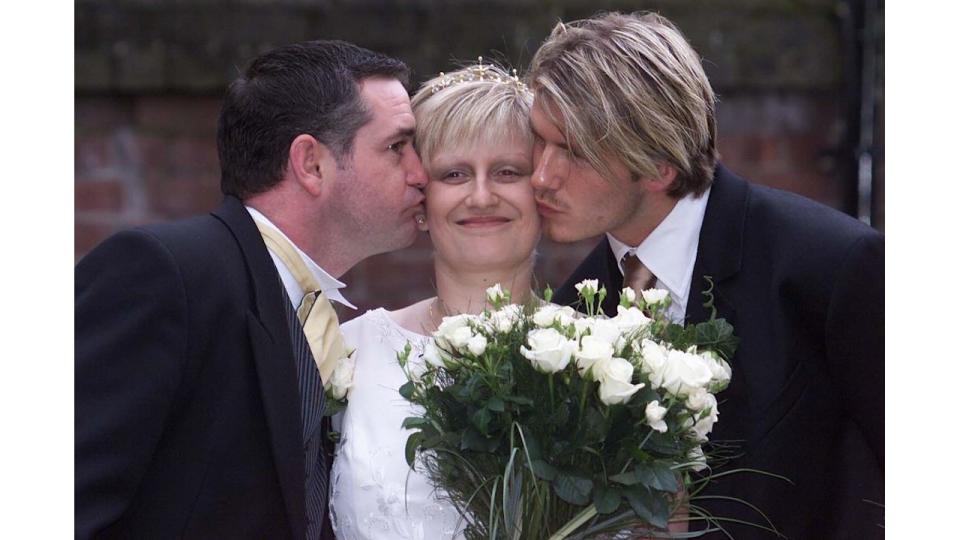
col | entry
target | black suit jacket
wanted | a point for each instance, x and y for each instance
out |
(187, 402)
(803, 286)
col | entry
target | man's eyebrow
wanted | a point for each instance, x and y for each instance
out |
(405, 133)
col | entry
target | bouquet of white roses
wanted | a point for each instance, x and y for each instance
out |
(539, 421)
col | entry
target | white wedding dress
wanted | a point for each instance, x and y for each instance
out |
(373, 492)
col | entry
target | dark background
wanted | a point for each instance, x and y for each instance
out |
(800, 85)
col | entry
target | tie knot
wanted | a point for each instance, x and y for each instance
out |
(636, 275)
(307, 303)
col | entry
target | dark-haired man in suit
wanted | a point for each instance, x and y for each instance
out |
(199, 395)
(626, 128)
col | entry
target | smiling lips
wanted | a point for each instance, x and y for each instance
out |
(482, 221)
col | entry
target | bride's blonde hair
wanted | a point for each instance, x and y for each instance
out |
(480, 104)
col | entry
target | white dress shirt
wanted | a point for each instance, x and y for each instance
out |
(670, 251)
(329, 285)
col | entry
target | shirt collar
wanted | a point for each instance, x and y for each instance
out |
(670, 251)
(329, 285)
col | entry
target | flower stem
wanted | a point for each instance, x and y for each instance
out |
(583, 399)
(550, 383)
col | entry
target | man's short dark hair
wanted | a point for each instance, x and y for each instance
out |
(310, 87)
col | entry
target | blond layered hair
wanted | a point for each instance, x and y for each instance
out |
(630, 87)
(457, 109)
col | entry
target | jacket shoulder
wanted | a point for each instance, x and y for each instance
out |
(791, 215)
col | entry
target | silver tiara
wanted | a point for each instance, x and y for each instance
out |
(478, 72)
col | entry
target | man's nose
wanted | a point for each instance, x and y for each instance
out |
(550, 170)
(416, 174)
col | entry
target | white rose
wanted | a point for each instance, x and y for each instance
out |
(495, 294)
(696, 456)
(432, 355)
(629, 294)
(630, 320)
(477, 344)
(587, 287)
(605, 329)
(583, 325)
(613, 369)
(699, 399)
(719, 369)
(451, 325)
(614, 392)
(342, 378)
(460, 337)
(655, 296)
(684, 373)
(654, 361)
(504, 319)
(592, 349)
(549, 351)
(655, 414)
(550, 313)
(705, 423)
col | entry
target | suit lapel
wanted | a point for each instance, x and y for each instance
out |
(720, 247)
(273, 355)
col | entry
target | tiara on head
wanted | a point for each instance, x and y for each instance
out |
(478, 72)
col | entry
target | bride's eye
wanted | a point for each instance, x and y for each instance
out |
(454, 177)
(509, 174)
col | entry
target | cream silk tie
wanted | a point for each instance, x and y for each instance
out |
(636, 275)
(319, 320)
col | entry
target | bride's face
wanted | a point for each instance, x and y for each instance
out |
(480, 207)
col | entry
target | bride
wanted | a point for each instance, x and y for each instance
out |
(474, 139)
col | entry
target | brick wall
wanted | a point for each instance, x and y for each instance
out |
(149, 77)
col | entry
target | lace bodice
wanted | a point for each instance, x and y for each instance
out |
(373, 493)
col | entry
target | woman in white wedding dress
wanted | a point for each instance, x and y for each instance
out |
(474, 139)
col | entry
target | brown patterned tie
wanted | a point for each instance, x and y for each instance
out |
(636, 275)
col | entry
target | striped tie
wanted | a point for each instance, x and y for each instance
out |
(317, 346)
(311, 411)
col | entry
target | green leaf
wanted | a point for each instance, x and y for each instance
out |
(413, 442)
(407, 390)
(649, 506)
(473, 440)
(543, 470)
(655, 476)
(411, 422)
(481, 419)
(594, 425)
(519, 400)
(663, 443)
(332, 406)
(606, 499)
(572, 489)
(496, 404)
(532, 444)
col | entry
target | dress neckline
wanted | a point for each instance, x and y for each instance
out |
(383, 313)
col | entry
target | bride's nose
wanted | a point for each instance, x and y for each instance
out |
(481, 196)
